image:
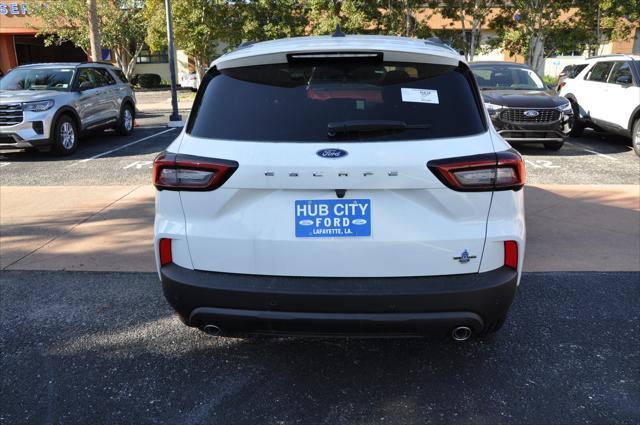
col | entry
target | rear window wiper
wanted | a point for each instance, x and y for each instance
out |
(339, 128)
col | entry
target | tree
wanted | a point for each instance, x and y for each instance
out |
(353, 16)
(270, 19)
(94, 30)
(527, 27)
(471, 13)
(601, 21)
(120, 24)
(399, 17)
(200, 27)
(404, 17)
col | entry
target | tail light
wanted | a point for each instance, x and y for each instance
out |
(494, 171)
(511, 254)
(186, 172)
(561, 85)
(165, 251)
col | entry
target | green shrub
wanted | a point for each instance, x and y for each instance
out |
(147, 81)
(552, 81)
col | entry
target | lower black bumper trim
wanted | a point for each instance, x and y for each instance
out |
(233, 322)
(240, 303)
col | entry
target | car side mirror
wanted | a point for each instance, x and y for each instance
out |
(86, 85)
(624, 80)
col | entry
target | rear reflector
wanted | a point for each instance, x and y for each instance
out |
(165, 251)
(511, 254)
(186, 172)
(494, 171)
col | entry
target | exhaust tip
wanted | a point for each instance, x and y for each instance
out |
(212, 330)
(461, 333)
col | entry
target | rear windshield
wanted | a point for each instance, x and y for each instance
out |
(302, 102)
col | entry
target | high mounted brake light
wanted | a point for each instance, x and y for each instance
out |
(315, 57)
(190, 173)
(494, 171)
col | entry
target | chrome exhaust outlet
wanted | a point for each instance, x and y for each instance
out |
(212, 330)
(461, 333)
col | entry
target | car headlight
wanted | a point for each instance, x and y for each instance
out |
(565, 107)
(40, 106)
(492, 108)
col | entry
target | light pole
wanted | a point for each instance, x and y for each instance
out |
(175, 120)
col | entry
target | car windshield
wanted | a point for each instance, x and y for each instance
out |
(38, 79)
(496, 77)
(320, 100)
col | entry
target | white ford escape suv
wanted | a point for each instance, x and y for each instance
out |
(345, 185)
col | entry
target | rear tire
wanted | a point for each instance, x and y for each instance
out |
(635, 136)
(125, 126)
(65, 136)
(577, 127)
(553, 146)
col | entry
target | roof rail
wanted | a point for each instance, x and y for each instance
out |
(99, 62)
(613, 55)
(438, 42)
(246, 44)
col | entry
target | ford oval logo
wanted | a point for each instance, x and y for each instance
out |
(531, 113)
(332, 153)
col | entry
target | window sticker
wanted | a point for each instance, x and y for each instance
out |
(420, 95)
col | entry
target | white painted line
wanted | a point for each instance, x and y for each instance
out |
(593, 152)
(121, 147)
(4, 164)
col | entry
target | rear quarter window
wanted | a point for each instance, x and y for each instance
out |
(297, 102)
(120, 75)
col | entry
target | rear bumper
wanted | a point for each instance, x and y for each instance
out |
(280, 305)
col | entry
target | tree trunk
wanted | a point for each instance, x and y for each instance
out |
(126, 60)
(472, 45)
(535, 57)
(407, 19)
(464, 30)
(199, 71)
(94, 31)
(598, 31)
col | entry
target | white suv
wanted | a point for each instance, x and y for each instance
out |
(345, 185)
(606, 95)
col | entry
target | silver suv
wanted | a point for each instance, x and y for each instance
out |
(53, 104)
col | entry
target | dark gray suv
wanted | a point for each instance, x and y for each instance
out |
(53, 104)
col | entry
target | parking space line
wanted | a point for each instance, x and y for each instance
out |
(593, 152)
(121, 147)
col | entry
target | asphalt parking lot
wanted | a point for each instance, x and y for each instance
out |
(104, 347)
(106, 159)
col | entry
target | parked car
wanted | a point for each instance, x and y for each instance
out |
(569, 71)
(522, 108)
(189, 81)
(346, 185)
(606, 96)
(53, 104)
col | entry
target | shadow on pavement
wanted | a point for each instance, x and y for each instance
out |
(604, 143)
(105, 348)
(97, 143)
